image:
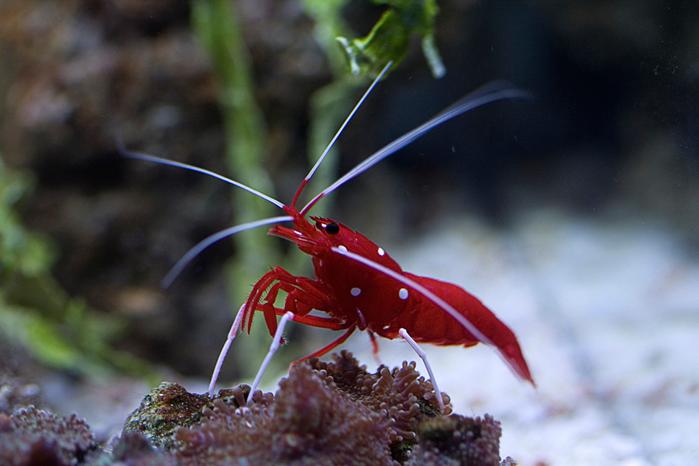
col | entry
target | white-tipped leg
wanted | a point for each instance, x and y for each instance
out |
(276, 342)
(406, 336)
(231, 336)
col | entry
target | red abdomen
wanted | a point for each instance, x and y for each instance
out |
(428, 323)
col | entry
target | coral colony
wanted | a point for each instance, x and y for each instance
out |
(324, 413)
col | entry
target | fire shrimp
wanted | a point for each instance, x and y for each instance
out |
(357, 285)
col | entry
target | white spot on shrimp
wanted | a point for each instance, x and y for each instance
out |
(403, 293)
(386, 327)
(342, 248)
(381, 252)
(355, 291)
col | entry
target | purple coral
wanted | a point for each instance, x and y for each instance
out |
(405, 396)
(457, 440)
(325, 413)
(337, 413)
(306, 425)
(31, 436)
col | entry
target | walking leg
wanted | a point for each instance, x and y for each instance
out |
(406, 336)
(231, 336)
(276, 342)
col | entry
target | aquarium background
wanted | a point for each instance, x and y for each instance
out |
(574, 215)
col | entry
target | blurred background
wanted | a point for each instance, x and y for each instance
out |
(575, 215)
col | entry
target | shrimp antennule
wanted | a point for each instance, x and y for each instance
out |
(204, 171)
(330, 145)
(485, 95)
(218, 236)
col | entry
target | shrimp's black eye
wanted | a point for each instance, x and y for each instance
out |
(332, 228)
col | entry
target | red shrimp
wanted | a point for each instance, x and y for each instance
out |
(357, 284)
(358, 296)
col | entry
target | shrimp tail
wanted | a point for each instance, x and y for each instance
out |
(486, 327)
(507, 345)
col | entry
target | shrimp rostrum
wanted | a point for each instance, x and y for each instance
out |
(357, 284)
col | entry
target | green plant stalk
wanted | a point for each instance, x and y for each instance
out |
(217, 27)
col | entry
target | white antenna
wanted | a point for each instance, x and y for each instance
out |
(347, 120)
(209, 240)
(487, 94)
(186, 166)
(330, 145)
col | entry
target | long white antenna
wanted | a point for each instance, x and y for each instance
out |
(330, 145)
(347, 120)
(186, 166)
(209, 240)
(487, 94)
